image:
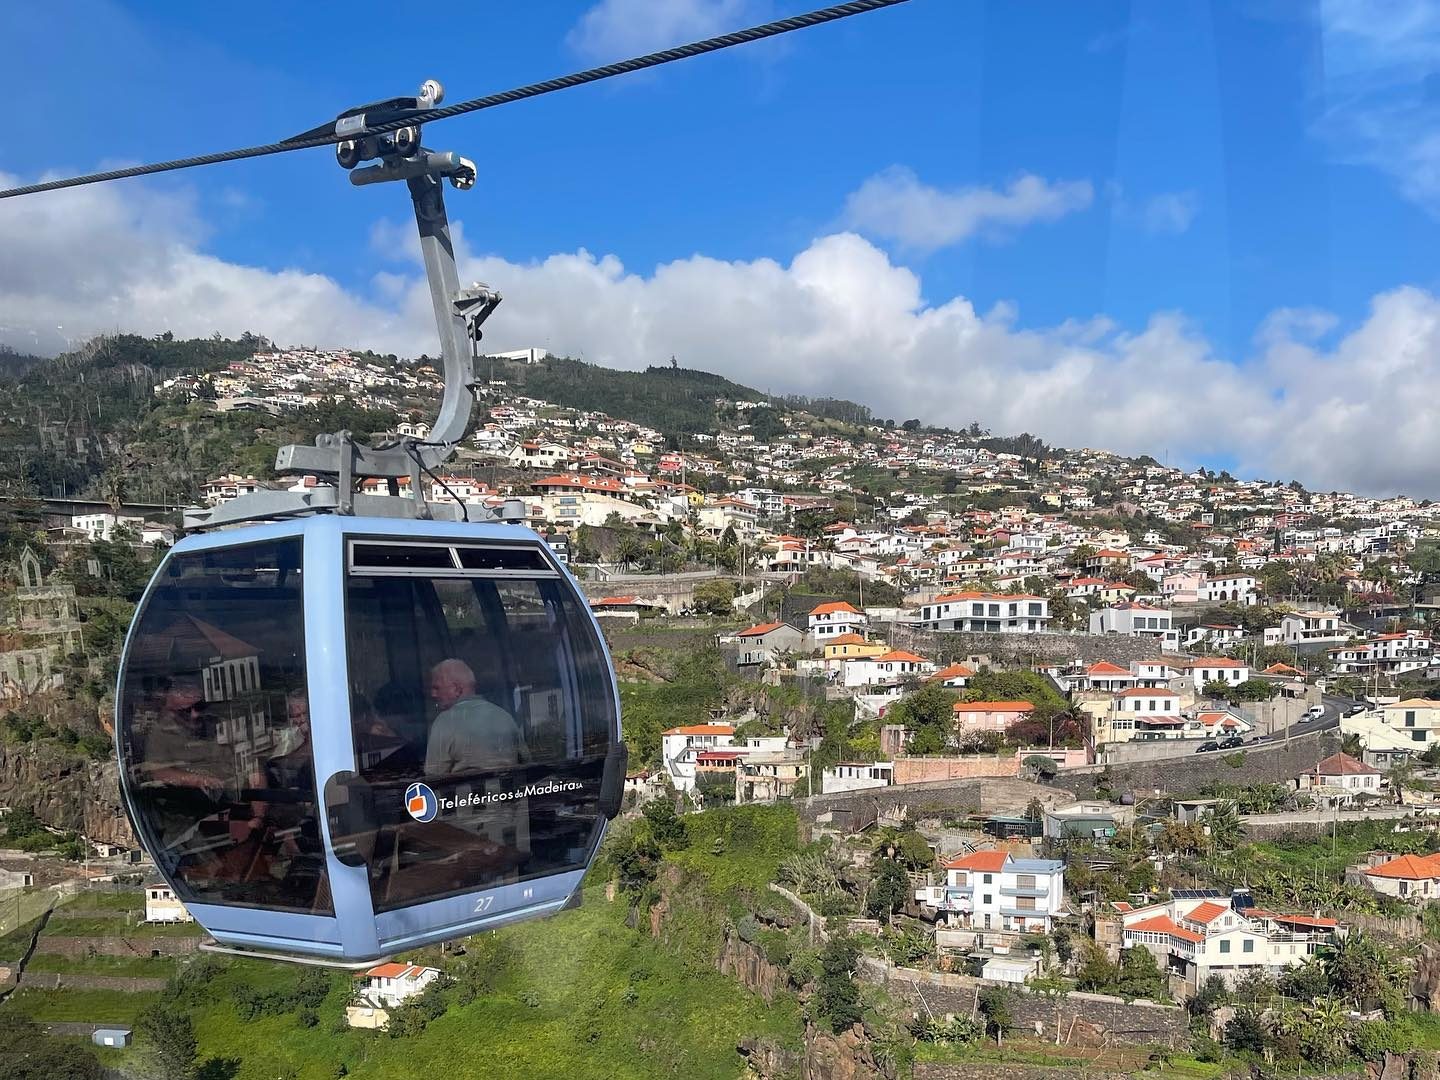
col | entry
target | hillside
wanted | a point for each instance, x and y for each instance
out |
(674, 400)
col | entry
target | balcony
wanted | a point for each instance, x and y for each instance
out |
(1036, 890)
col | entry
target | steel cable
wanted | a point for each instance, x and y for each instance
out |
(564, 82)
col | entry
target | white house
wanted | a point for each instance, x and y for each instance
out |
(1201, 936)
(1407, 727)
(890, 667)
(831, 620)
(1309, 627)
(1144, 713)
(162, 906)
(1204, 670)
(679, 745)
(533, 455)
(1214, 635)
(980, 612)
(1388, 654)
(103, 526)
(953, 675)
(1341, 777)
(389, 985)
(993, 890)
(857, 775)
(1137, 620)
(1229, 589)
(1407, 877)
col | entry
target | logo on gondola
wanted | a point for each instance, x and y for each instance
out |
(421, 802)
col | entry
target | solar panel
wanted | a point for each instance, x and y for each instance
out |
(1196, 894)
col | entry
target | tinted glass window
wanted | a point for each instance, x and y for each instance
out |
(493, 693)
(215, 725)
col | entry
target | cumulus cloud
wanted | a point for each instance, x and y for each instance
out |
(1382, 90)
(614, 29)
(1312, 400)
(896, 205)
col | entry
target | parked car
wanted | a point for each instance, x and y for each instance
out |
(1206, 746)
(1231, 742)
(1357, 708)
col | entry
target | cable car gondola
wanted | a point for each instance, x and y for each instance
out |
(342, 737)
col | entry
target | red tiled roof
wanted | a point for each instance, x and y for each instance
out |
(988, 862)
(1411, 867)
(898, 656)
(1104, 667)
(954, 671)
(1344, 765)
(834, 609)
(1163, 924)
(992, 706)
(1306, 920)
(760, 630)
(1207, 912)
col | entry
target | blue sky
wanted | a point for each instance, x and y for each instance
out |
(1071, 173)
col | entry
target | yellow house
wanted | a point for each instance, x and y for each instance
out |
(850, 645)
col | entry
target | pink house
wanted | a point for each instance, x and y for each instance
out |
(989, 715)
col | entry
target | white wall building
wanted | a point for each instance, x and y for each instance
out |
(1137, 620)
(993, 890)
(980, 612)
(162, 906)
(856, 776)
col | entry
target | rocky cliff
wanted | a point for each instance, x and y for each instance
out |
(65, 790)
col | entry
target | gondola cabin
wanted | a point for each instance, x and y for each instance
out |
(342, 737)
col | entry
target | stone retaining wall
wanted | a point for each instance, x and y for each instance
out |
(1022, 649)
(68, 980)
(1081, 1019)
(118, 946)
(1278, 763)
(994, 1070)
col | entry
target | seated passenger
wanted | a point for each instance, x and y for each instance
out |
(470, 734)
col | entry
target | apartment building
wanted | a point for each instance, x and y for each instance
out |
(993, 890)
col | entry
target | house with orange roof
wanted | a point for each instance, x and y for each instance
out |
(984, 612)
(761, 643)
(997, 895)
(1204, 933)
(849, 646)
(952, 675)
(1407, 877)
(830, 620)
(385, 987)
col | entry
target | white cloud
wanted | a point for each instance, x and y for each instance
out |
(615, 29)
(1351, 408)
(1168, 213)
(1381, 90)
(897, 206)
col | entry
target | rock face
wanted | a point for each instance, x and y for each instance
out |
(65, 790)
(1425, 984)
(846, 1056)
(746, 964)
(765, 1060)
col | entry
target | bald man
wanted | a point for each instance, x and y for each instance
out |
(470, 734)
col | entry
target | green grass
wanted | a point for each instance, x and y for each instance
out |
(584, 996)
(30, 904)
(753, 842)
(14, 944)
(98, 901)
(89, 1006)
(136, 967)
(116, 925)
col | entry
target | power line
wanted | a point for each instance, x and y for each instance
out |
(414, 119)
